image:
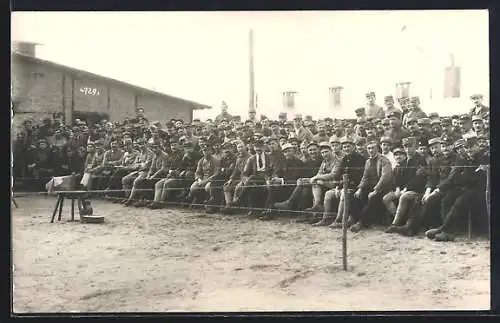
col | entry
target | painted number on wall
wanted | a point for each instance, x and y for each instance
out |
(89, 91)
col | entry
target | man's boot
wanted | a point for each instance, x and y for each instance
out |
(444, 236)
(288, 204)
(325, 221)
(431, 234)
(407, 230)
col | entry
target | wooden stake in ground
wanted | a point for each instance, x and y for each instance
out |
(345, 216)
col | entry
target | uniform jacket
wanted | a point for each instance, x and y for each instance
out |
(375, 111)
(239, 166)
(208, 168)
(384, 174)
(352, 165)
(251, 166)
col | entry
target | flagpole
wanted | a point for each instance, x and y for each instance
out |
(251, 103)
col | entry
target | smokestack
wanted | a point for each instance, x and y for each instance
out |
(251, 103)
(25, 48)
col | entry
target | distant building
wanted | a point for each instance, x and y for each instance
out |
(42, 88)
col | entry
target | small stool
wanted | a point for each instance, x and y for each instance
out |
(60, 202)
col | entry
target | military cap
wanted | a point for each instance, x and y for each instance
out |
(409, 141)
(272, 138)
(227, 145)
(482, 136)
(436, 121)
(477, 118)
(433, 115)
(385, 139)
(293, 138)
(360, 141)
(361, 120)
(312, 143)
(425, 121)
(282, 115)
(369, 119)
(308, 123)
(395, 114)
(287, 146)
(188, 144)
(308, 117)
(476, 96)
(412, 120)
(370, 94)
(372, 142)
(346, 140)
(446, 122)
(398, 150)
(334, 139)
(274, 123)
(385, 121)
(422, 142)
(257, 134)
(388, 98)
(447, 140)
(471, 141)
(258, 142)
(459, 144)
(360, 111)
(415, 99)
(464, 117)
(328, 119)
(324, 144)
(298, 117)
(43, 140)
(433, 141)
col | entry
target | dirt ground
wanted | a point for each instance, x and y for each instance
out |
(177, 260)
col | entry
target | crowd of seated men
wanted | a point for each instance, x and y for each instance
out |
(407, 170)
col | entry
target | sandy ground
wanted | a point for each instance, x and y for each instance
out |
(176, 260)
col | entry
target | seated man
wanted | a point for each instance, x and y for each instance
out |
(207, 170)
(301, 195)
(257, 171)
(94, 167)
(351, 164)
(283, 178)
(174, 160)
(410, 180)
(376, 182)
(125, 167)
(439, 181)
(177, 185)
(41, 166)
(227, 164)
(234, 186)
(111, 159)
(470, 188)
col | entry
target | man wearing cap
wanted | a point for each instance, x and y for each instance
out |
(95, 166)
(404, 103)
(351, 164)
(479, 108)
(448, 130)
(396, 131)
(41, 164)
(321, 136)
(312, 162)
(224, 115)
(255, 174)
(227, 164)
(372, 109)
(111, 159)
(301, 133)
(173, 162)
(465, 126)
(360, 112)
(389, 104)
(234, 186)
(375, 183)
(140, 118)
(478, 126)
(414, 110)
(385, 150)
(283, 179)
(436, 129)
(424, 128)
(410, 180)
(470, 189)
(207, 170)
(360, 144)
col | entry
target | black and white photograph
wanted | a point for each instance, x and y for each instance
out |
(250, 161)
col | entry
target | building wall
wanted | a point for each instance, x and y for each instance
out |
(43, 90)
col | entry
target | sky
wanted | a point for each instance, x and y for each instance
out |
(203, 56)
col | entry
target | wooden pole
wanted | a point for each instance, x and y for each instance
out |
(345, 216)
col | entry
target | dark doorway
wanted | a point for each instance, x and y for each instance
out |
(90, 117)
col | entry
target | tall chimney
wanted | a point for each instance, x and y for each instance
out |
(251, 103)
(25, 48)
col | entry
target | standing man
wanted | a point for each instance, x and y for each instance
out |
(479, 108)
(224, 115)
(372, 109)
(389, 105)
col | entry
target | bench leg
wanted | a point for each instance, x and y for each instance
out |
(60, 208)
(55, 209)
(72, 209)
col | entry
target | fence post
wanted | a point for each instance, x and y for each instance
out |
(345, 216)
